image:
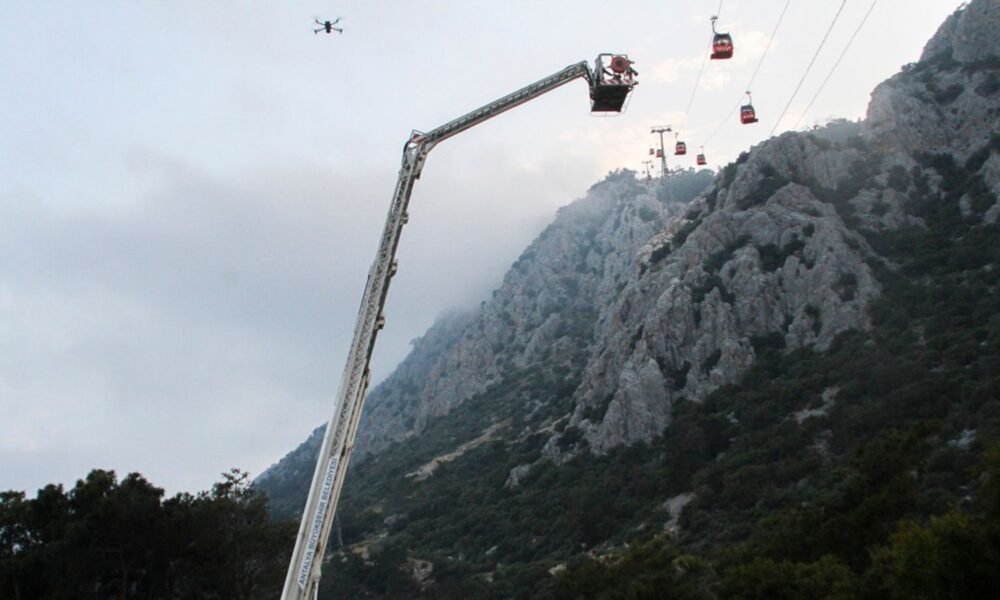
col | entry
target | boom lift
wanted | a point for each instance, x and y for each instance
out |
(610, 83)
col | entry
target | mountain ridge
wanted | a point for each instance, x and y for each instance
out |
(807, 349)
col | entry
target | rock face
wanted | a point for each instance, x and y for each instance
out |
(639, 296)
(969, 35)
(947, 101)
(761, 260)
(543, 312)
(562, 278)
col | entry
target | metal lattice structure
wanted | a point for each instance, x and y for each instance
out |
(610, 85)
(663, 151)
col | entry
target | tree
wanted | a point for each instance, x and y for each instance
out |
(15, 545)
(764, 578)
(108, 539)
(949, 558)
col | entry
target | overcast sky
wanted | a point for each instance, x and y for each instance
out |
(191, 192)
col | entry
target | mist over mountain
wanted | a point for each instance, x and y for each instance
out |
(778, 381)
(544, 311)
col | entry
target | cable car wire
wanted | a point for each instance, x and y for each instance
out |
(697, 80)
(808, 68)
(754, 76)
(836, 64)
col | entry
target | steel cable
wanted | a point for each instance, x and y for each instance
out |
(808, 68)
(836, 64)
(754, 76)
(697, 80)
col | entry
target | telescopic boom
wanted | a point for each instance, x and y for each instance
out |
(610, 83)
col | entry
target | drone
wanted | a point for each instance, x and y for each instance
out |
(328, 26)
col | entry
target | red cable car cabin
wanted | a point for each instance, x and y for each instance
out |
(680, 149)
(722, 44)
(659, 153)
(747, 113)
(701, 160)
(652, 152)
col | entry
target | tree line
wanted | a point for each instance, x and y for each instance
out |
(114, 539)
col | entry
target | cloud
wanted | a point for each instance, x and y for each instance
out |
(202, 308)
(749, 46)
(205, 320)
(671, 70)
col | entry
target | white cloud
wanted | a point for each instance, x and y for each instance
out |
(671, 70)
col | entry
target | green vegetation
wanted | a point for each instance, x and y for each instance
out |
(682, 234)
(770, 182)
(801, 556)
(871, 497)
(121, 539)
(716, 261)
(990, 86)
(683, 186)
(772, 258)
(647, 214)
(899, 180)
(730, 170)
(835, 133)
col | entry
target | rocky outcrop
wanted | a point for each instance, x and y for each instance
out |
(947, 102)
(968, 36)
(544, 313)
(771, 263)
(545, 304)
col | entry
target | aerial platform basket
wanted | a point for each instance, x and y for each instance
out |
(612, 82)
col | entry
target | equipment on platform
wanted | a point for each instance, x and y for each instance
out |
(610, 83)
(661, 151)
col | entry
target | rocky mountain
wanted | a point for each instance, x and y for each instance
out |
(543, 312)
(543, 307)
(786, 377)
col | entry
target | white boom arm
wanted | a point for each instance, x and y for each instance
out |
(302, 580)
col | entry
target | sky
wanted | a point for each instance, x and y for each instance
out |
(191, 193)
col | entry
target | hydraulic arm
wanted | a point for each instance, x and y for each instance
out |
(609, 87)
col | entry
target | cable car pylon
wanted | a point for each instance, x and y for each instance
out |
(660, 153)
